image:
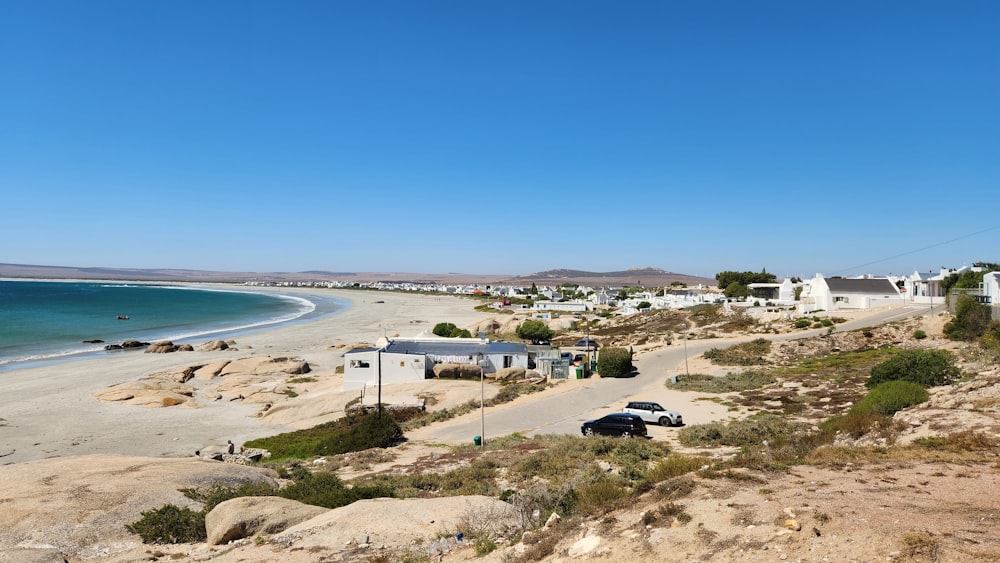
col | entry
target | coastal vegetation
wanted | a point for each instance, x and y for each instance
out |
(535, 331)
(449, 330)
(614, 362)
(830, 408)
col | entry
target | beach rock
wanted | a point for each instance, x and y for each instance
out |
(154, 392)
(163, 347)
(134, 344)
(246, 517)
(214, 345)
(210, 371)
(185, 348)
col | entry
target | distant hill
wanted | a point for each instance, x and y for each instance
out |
(645, 276)
(649, 276)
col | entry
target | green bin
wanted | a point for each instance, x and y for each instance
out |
(477, 440)
(579, 372)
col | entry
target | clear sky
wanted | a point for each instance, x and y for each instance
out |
(500, 137)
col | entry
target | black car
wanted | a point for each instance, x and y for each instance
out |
(615, 424)
(587, 343)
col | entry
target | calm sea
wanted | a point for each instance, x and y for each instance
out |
(50, 320)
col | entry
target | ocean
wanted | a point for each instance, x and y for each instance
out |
(51, 320)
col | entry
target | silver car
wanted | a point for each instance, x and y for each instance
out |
(654, 413)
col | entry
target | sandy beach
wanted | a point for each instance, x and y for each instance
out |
(51, 411)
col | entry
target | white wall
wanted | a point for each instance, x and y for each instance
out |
(395, 368)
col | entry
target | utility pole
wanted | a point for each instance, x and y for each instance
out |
(684, 327)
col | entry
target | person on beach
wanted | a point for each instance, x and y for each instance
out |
(232, 447)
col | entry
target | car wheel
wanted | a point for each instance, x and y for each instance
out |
(665, 421)
(588, 431)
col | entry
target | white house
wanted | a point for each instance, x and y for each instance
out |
(570, 306)
(926, 287)
(830, 294)
(402, 361)
(780, 293)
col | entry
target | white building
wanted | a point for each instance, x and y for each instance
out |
(830, 294)
(403, 361)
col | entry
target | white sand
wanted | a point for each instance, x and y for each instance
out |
(50, 411)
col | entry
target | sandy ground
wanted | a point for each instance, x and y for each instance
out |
(51, 411)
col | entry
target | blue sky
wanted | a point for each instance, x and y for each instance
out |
(500, 137)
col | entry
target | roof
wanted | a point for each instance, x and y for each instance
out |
(879, 286)
(448, 347)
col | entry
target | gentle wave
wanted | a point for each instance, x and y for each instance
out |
(303, 307)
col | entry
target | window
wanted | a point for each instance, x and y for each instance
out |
(360, 364)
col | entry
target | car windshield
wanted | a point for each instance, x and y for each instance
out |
(656, 407)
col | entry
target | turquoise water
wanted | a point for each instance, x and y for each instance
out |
(48, 320)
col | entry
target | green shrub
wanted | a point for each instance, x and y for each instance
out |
(614, 362)
(889, 397)
(802, 323)
(970, 321)
(351, 433)
(924, 367)
(535, 331)
(826, 322)
(328, 491)
(170, 524)
(449, 330)
(919, 334)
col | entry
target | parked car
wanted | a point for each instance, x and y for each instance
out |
(615, 424)
(588, 343)
(654, 413)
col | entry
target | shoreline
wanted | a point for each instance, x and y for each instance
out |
(51, 411)
(313, 306)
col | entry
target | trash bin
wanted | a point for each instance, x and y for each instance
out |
(477, 440)
(579, 372)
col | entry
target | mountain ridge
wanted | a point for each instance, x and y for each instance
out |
(646, 276)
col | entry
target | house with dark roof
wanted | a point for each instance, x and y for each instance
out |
(410, 360)
(830, 294)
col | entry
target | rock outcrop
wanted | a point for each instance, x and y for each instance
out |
(256, 379)
(246, 517)
(80, 505)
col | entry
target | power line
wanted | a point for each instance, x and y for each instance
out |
(854, 268)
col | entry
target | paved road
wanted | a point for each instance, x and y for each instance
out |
(564, 408)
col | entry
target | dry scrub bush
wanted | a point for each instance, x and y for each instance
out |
(601, 497)
(674, 465)
(920, 543)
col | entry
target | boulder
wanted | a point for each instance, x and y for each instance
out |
(246, 517)
(163, 347)
(214, 345)
(457, 371)
(514, 373)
